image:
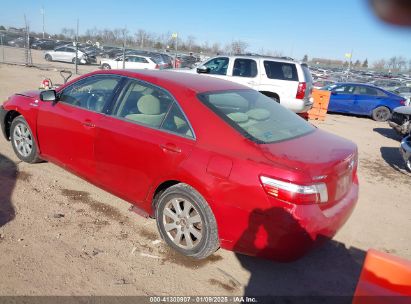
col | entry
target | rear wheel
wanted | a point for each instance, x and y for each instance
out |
(48, 57)
(186, 223)
(381, 114)
(106, 66)
(22, 141)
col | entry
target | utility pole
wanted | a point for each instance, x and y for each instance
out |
(27, 50)
(43, 12)
(76, 42)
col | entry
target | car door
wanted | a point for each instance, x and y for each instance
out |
(342, 99)
(367, 99)
(69, 54)
(67, 128)
(144, 140)
(245, 72)
(57, 54)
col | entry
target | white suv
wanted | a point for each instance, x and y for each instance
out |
(286, 81)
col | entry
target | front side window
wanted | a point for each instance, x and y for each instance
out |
(280, 70)
(91, 93)
(217, 66)
(256, 116)
(245, 68)
(144, 104)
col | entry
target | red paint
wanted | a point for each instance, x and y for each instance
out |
(131, 161)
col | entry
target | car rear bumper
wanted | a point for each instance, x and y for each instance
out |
(286, 234)
(3, 113)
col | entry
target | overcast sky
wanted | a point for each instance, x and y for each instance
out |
(318, 28)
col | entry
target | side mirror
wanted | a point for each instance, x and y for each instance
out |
(203, 70)
(49, 95)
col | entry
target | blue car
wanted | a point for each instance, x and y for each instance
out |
(363, 99)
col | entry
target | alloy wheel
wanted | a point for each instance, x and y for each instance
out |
(182, 223)
(23, 140)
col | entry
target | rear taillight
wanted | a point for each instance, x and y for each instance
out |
(293, 193)
(403, 102)
(157, 66)
(302, 86)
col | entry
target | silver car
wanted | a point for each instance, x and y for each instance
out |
(405, 150)
(66, 53)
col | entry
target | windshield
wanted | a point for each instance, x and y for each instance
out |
(256, 116)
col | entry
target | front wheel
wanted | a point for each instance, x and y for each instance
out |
(186, 223)
(48, 57)
(106, 66)
(381, 114)
(23, 142)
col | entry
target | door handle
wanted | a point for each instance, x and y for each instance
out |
(88, 124)
(170, 147)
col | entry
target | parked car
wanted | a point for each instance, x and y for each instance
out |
(20, 42)
(43, 44)
(286, 81)
(404, 91)
(405, 150)
(216, 163)
(67, 53)
(363, 99)
(386, 84)
(400, 120)
(131, 62)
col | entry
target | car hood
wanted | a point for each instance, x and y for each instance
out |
(406, 110)
(317, 154)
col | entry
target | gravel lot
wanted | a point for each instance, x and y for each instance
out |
(60, 235)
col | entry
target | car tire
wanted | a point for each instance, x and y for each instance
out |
(381, 113)
(23, 142)
(74, 61)
(186, 223)
(48, 57)
(106, 66)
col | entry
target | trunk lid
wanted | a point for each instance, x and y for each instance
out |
(319, 157)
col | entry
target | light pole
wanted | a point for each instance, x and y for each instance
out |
(43, 12)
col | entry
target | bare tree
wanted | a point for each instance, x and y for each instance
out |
(68, 33)
(237, 47)
(380, 64)
(401, 62)
(190, 41)
(142, 38)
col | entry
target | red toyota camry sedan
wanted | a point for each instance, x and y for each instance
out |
(215, 163)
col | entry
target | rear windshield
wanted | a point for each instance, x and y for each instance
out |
(256, 116)
(280, 70)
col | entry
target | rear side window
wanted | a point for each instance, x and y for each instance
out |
(144, 104)
(245, 68)
(280, 70)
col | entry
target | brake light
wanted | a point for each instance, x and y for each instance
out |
(157, 66)
(302, 86)
(293, 193)
(402, 102)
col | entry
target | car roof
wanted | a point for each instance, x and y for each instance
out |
(278, 59)
(172, 80)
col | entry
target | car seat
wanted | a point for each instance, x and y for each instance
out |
(150, 113)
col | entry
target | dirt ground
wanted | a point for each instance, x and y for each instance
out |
(60, 235)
